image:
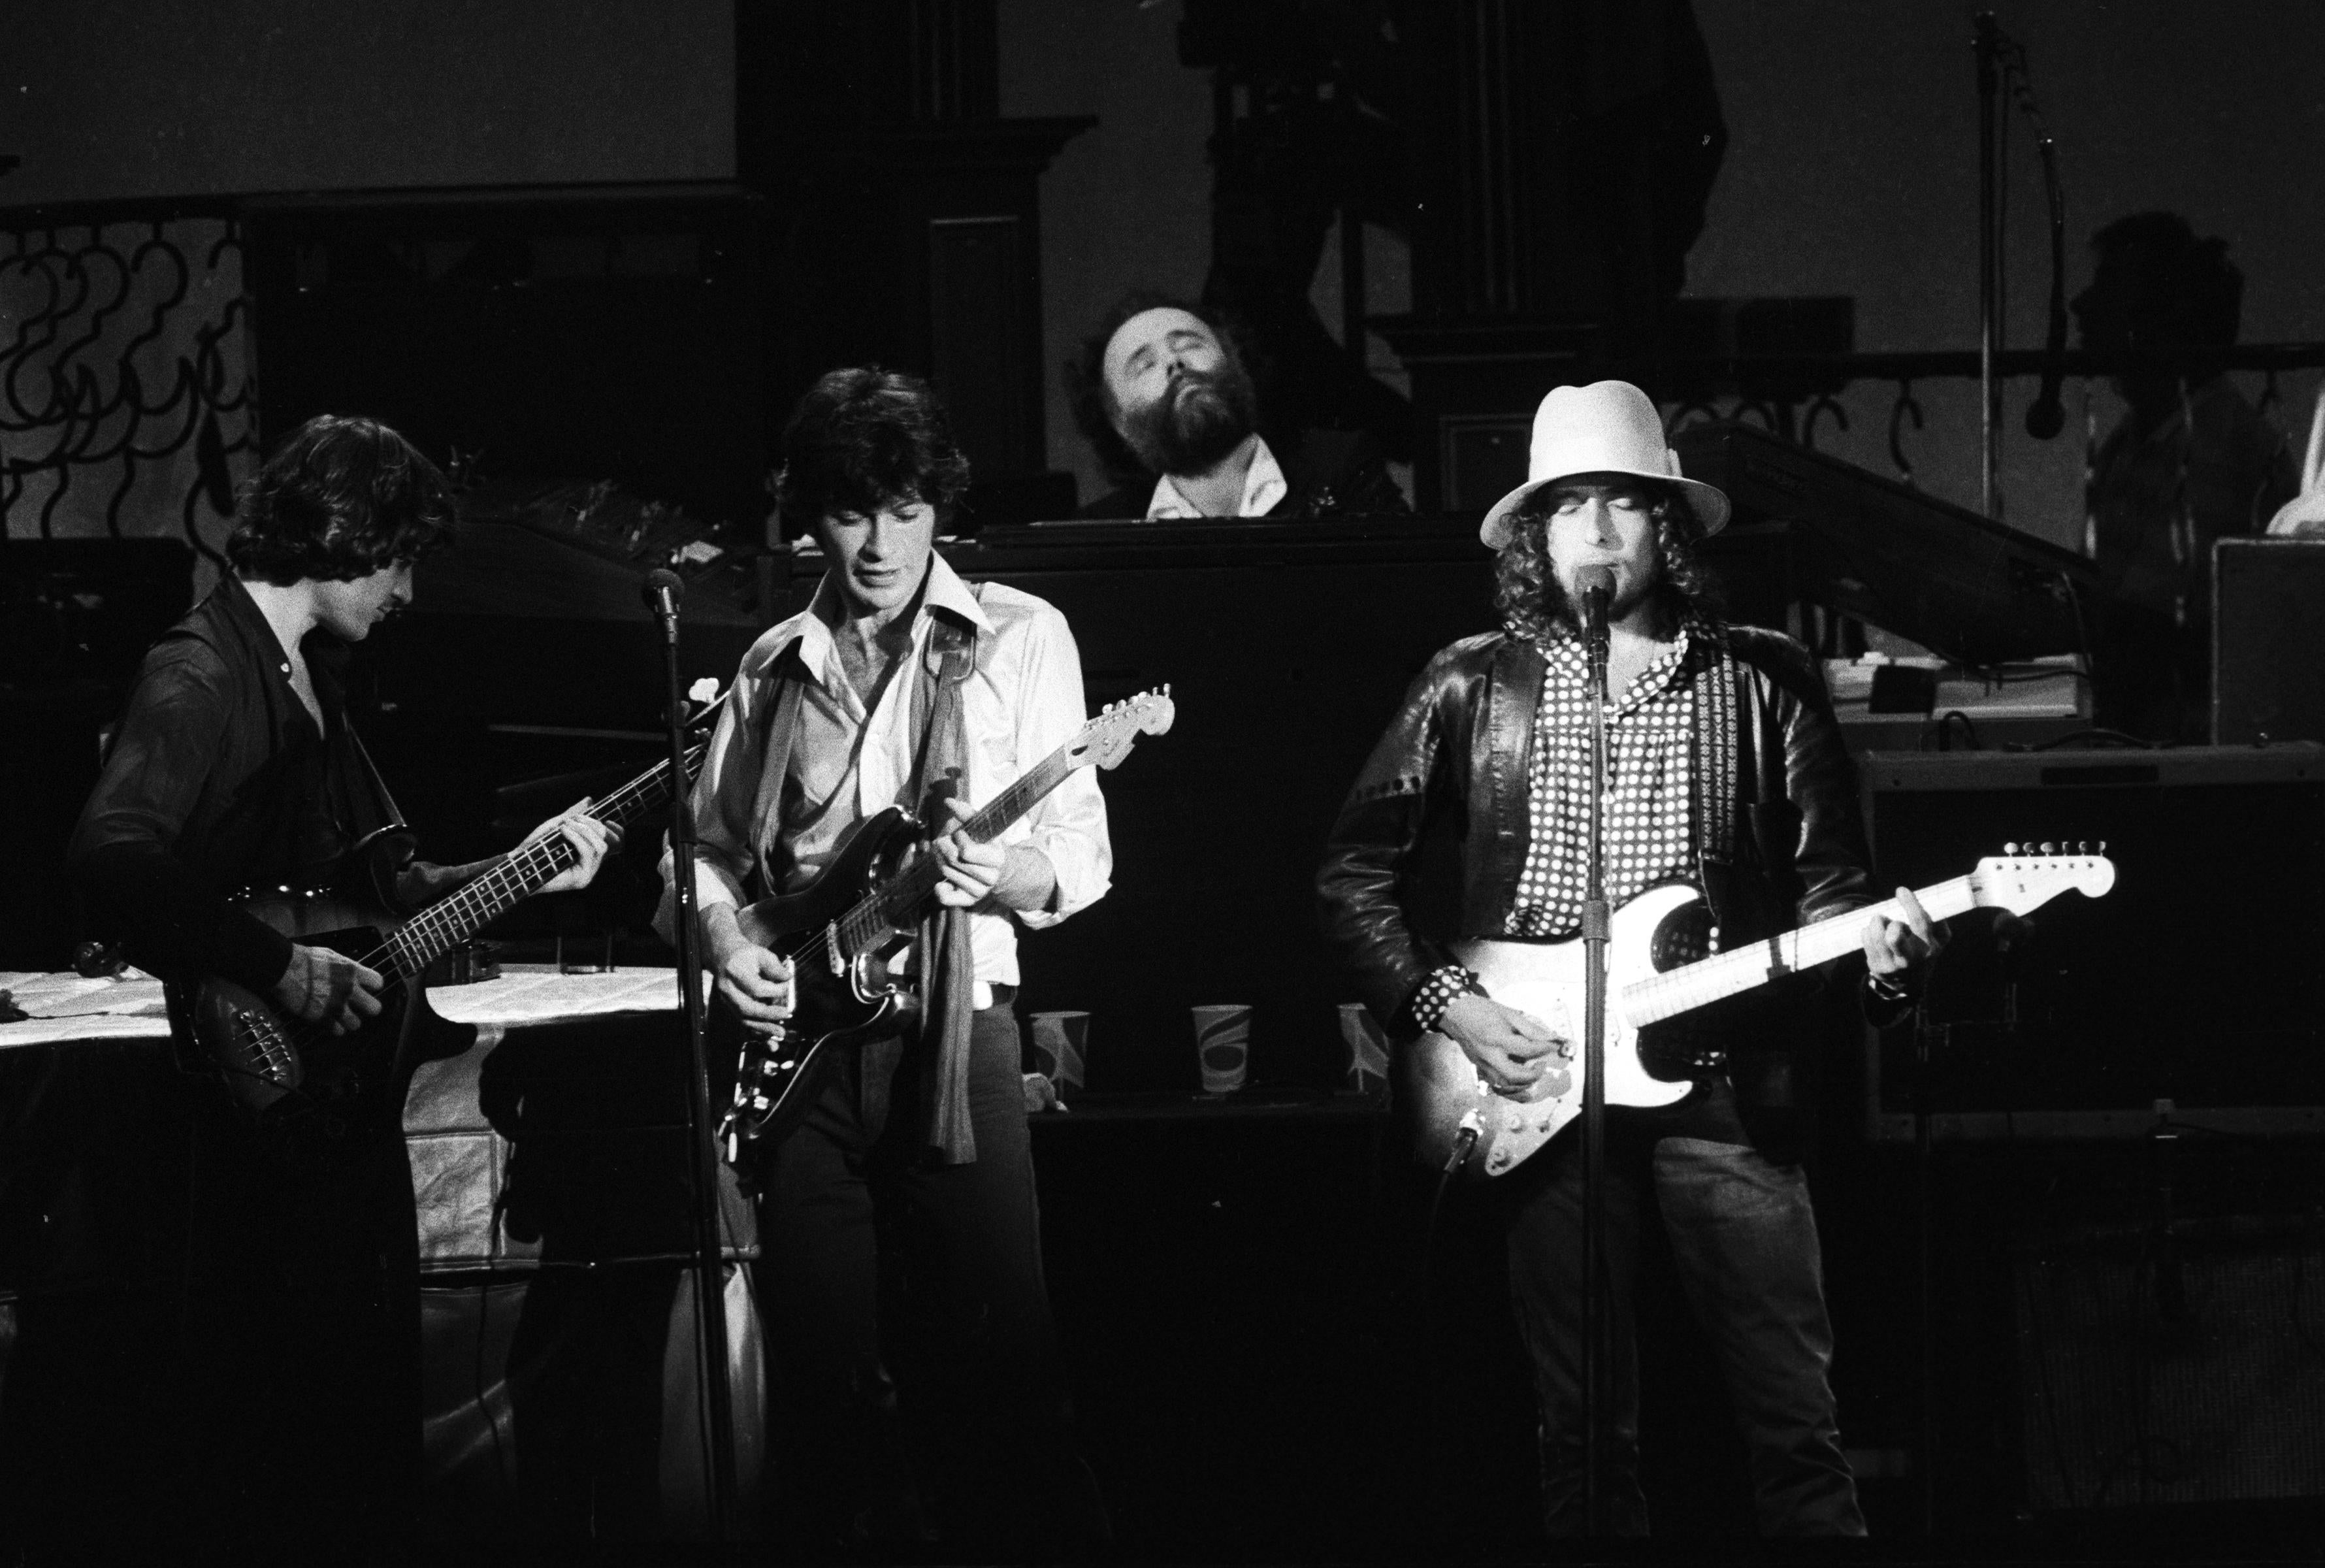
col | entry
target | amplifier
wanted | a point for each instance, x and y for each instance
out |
(2170, 1364)
(2268, 640)
(2192, 988)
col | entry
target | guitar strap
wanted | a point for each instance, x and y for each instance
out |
(775, 763)
(947, 966)
(1717, 744)
(382, 839)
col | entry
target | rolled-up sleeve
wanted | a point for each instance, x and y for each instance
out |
(1068, 825)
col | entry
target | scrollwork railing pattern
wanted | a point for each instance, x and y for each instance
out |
(126, 402)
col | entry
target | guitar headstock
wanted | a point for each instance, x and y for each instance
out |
(2025, 876)
(703, 701)
(1107, 739)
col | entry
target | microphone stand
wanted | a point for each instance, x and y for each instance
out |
(1596, 930)
(1986, 45)
(664, 589)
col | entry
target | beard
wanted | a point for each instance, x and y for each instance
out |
(1200, 418)
(1630, 591)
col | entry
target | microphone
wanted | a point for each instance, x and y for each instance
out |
(664, 590)
(1598, 586)
(2046, 416)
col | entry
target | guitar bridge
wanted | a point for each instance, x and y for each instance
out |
(268, 1054)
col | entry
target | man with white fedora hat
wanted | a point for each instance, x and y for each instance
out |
(1726, 770)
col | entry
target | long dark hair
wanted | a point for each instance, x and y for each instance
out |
(340, 498)
(1533, 604)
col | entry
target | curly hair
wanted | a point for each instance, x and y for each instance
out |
(1535, 606)
(340, 498)
(863, 439)
(1083, 374)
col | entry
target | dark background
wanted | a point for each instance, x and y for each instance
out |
(605, 243)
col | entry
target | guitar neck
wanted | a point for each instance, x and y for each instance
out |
(1728, 974)
(460, 915)
(899, 904)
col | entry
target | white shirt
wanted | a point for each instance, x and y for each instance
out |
(1023, 702)
(1264, 486)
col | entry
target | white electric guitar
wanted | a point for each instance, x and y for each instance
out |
(1457, 1119)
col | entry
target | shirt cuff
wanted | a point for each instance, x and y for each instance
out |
(712, 886)
(1436, 993)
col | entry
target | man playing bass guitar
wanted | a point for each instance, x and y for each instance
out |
(235, 768)
(899, 686)
(1726, 770)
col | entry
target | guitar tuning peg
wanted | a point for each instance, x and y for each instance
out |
(2010, 848)
(2049, 847)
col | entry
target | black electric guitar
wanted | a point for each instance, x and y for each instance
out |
(1460, 1121)
(275, 1066)
(841, 930)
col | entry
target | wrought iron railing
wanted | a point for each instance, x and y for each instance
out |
(126, 395)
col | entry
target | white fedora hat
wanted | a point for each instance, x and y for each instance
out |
(1608, 427)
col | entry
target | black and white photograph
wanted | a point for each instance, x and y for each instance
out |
(1162, 782)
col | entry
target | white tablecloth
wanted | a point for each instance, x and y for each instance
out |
(65, 1006)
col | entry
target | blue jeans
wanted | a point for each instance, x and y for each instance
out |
(1744, 1240)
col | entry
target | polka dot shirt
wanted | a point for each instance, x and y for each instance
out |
(1650, 797)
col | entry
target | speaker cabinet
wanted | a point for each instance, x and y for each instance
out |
(2172, 1366)
(2268, 608)
(2194, 981)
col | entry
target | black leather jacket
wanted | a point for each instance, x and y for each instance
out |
(1460, 745)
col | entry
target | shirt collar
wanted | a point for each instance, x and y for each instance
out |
(322, 650)
(1564, 649)
(946, 592)
(1264, 486)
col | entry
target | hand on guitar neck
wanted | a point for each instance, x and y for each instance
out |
(1017, 878)
(1895, 950)
(592, 839)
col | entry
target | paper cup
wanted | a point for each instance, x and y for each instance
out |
(1059, 1042)
(1367, 1045)
(1223, 1047)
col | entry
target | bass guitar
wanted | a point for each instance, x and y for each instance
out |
(840, 930)
(1462, 1123)
(274, 1065)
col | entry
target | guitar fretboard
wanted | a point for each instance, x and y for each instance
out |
(1675, 991)
(458, 917)
(898, 906)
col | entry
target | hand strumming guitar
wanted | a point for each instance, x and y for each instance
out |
(322, 987)
(1510, 1049)
(754, 980)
